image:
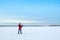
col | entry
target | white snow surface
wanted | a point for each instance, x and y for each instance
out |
(30, 33)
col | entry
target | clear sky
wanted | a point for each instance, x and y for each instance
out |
(42, 10)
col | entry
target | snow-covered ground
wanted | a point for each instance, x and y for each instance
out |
(30, 33)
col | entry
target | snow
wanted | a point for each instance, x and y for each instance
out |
(30, 33)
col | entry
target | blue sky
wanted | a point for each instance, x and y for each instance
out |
(42, 10)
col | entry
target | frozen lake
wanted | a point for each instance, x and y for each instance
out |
(30, 33)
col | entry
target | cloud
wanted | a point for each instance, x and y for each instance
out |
(20, 21)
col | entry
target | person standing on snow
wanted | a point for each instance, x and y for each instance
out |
(20, 28)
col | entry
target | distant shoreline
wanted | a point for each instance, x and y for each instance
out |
(27, 25)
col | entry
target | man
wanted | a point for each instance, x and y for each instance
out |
(20, 28)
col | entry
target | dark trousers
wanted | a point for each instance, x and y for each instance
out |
(19, 31)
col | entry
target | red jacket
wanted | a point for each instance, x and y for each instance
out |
(19, 27)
